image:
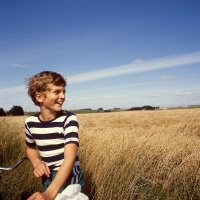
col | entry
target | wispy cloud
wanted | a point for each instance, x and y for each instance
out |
(137, 61)
(137, 67)
(165, 78)
(183, 93)
(154, 95)
(95, 98)
(112, 97)
(12, 90)
(18, 65)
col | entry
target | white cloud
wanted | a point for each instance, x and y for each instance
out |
(145, 66)
(183, 93)
(18, 65)
(195, 102)
(112, 97)
(165, 77)
(132, 68)
(102, 98)
(84, 99)
(13, 90)
(154, 95)
(137, 61)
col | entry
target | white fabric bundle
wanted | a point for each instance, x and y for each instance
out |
(72, 192)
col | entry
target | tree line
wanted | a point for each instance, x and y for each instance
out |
(15, 111)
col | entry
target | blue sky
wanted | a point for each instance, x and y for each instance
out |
(114, 53)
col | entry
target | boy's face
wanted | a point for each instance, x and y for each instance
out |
(53, 98)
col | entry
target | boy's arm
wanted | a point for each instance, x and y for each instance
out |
(61, 176)
(63, 173)
(40, 168)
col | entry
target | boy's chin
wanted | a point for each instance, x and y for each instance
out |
(58, 108)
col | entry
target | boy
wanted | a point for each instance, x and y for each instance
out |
(52, 136)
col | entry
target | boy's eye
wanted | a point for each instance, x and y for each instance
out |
(59, 91)
(56, 91)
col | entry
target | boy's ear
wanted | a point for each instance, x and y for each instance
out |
(39, 97)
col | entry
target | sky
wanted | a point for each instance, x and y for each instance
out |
(113, 53)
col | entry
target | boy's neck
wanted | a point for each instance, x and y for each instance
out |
(46, 115)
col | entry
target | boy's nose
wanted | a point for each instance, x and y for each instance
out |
(62, 95)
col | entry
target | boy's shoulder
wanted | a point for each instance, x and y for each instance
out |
(64, 116)
(33, 118)
(68, 113)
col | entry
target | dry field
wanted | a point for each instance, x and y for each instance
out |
(125, 155)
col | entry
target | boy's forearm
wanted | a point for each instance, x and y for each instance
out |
(64, 171)
(33, 156)
(60, 178)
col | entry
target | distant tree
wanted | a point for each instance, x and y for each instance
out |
(2, 112)
(100, 109)
(148, 107)
(135, 108)
(109, 110)
(16, 111)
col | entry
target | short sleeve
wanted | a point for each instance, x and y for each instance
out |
(29, 139)
(71, 128)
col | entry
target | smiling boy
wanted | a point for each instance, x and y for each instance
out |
(52, 136)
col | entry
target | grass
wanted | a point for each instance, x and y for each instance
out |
(14, 182)
(125, 155)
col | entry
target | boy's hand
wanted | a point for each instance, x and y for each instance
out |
(39, 196)
(41, 169)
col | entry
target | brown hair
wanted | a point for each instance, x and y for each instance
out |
(39, 82)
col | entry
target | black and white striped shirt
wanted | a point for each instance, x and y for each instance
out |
(50, 137)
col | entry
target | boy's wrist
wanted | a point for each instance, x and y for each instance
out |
(36, 163)
(50, 193)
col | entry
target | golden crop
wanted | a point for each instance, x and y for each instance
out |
(125, 155)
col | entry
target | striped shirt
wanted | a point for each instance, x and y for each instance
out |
(50, 138)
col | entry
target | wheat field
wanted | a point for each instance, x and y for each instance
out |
(135, 155)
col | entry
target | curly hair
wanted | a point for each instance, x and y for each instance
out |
(40, 82)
